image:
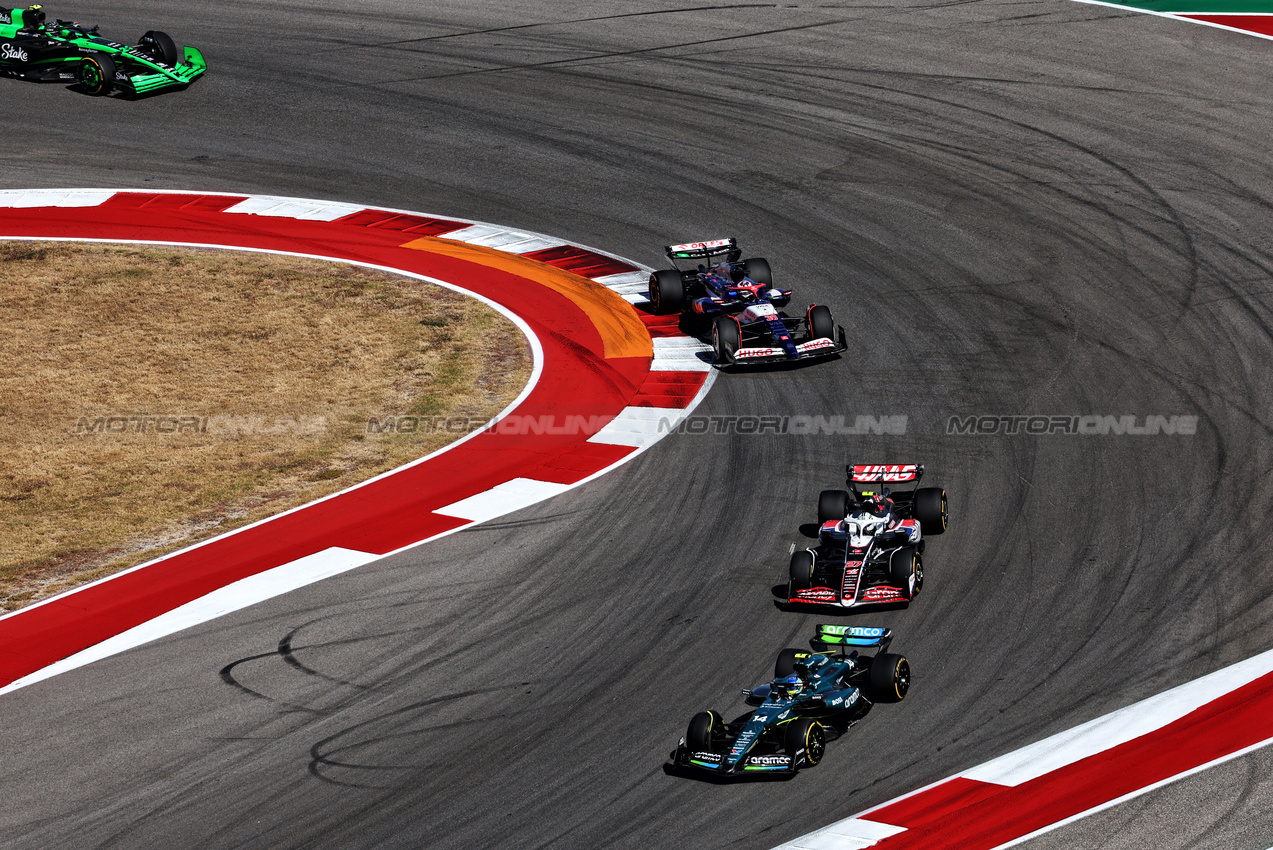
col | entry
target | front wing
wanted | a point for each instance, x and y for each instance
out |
(750, 766)
(142, 78)
(811, 350)
(879, 594)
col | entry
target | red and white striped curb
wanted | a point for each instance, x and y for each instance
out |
(663, 389)
(1069, 776)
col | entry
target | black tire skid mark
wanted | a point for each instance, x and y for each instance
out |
(568, 22)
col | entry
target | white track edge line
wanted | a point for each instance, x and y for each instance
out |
(1180, 16)
(1131, 795)
(226, 599)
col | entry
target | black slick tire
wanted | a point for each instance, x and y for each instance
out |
(96, 74)
(161, 47)
(833, 506)
(821, 325)
(726, 339)
(805, 741)
(705, 732)
(890, 677)
(801, 571)
(931, 510)
(667, 292)
(786, 663)
(902, 565)
(758, 270)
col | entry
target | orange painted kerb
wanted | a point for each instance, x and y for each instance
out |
(622, 332)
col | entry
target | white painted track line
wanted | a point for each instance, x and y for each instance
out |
(503, 499)
(639, 426)
(232, 597)
(1120, 726)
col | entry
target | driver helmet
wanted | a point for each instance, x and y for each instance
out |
(33, 18)
(878, 505)
(789, 687)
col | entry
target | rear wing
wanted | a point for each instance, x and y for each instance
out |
(701, 250)
(870, 472)
(832, 636)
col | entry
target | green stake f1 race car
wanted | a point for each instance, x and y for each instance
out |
(814, 698)
(32, 49)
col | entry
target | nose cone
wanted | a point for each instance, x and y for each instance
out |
(743, 743)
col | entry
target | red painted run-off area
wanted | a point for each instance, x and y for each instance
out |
(383, 515)
(1258, 24)
(965, 814)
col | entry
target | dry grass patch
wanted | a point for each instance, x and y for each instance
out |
(151, 397)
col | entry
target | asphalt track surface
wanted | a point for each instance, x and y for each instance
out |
(1013, 207)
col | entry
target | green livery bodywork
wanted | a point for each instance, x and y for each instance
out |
(32, 49)
(815, 697)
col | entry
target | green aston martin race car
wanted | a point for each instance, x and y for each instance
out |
(814, 698)
(33, 49)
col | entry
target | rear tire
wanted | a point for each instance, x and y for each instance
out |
(890, 677)
(726, 339)
(161, 47)
(96, 74)
(903, 564)
(667, 291)
(931, 510)
(833, 505)
(821, 325)
(758, 270)
(786, 663)
(801, 571)
(805, 734)
(706, 729)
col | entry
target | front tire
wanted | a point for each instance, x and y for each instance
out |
(805, 734)
(931, 510)
(833, 506)
(890, 677)
(706, 730)
(96, 74)
(902, 566)
(801, 571)
(821, 325)
(667, 291)
(726, 339)
(160, 47)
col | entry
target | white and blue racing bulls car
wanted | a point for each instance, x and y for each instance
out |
(737, 297)
(870, 540)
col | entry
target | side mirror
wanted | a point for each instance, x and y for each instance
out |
(757, 695)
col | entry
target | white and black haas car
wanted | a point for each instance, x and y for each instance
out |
(735, 302)
(870, 540)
